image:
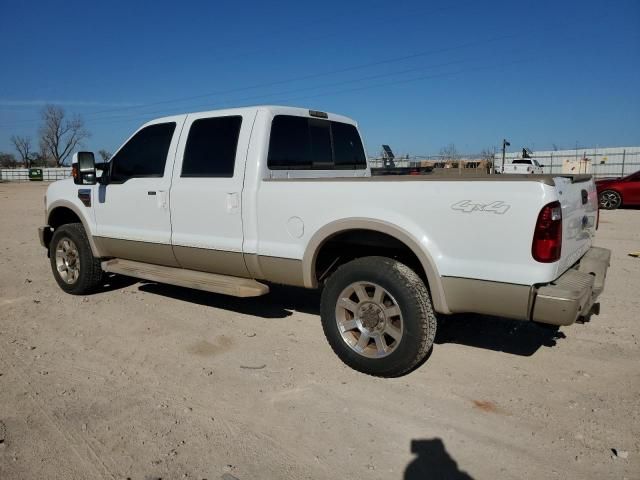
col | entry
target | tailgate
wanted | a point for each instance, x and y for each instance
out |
(579, 201)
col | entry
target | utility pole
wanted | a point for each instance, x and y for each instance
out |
(505, 144)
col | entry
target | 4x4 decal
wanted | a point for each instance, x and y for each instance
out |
(467, 206)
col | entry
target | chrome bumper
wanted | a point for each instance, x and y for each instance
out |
(574, 293)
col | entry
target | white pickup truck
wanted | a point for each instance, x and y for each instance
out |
(523, 165)
(230, 201)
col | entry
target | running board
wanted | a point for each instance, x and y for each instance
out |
(210, 282)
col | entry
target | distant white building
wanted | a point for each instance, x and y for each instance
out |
(600, 162)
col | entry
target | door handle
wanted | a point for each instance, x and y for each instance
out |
(162, 198)
(151, 192)
(232, 202)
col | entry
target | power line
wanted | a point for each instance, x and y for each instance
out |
(314, 75)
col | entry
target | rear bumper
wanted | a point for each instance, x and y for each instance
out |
(575, 292)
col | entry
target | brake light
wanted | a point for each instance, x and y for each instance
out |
(547, 237)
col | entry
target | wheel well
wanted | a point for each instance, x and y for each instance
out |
(61, 216)
(351, 244)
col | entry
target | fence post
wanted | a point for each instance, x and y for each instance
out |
(624, 154)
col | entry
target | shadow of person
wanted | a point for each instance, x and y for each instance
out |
(433, 462)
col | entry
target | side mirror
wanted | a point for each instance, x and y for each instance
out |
(83, 168)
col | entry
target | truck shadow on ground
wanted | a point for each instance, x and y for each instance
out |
(499, 334)
(281, 301)
(433, 462)
(490, 333)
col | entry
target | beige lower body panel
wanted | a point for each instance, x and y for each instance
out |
(490, 298)
(212, 261)
(147, 252)
(285, 271)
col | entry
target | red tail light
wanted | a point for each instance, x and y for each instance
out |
(547, 237)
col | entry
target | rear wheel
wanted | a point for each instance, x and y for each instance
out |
(377, 316)
(72, 262)
(610, 200)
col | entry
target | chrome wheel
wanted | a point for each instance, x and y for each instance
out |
(610, 200)
(369, 319)
(67, 260)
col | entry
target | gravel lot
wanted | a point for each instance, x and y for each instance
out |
(151, 381)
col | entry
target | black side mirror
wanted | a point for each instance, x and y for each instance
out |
(84, 168)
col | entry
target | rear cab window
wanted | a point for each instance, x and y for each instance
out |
(302, 143)
(211, 147)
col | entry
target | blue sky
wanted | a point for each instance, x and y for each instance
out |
(416, 75)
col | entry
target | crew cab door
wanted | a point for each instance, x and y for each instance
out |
(132, 207)
(206, 194)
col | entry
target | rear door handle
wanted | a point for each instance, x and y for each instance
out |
(232, 202)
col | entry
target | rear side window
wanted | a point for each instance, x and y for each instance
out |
(211, 147)
(301, 143)
(144, 155)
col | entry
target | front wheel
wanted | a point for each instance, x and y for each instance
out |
(610, 200)
(74, 267)
(377, 316)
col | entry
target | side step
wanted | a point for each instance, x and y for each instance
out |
(210, 282)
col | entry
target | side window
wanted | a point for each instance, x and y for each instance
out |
(211, 147)
(347, 146)
(289, 146)
(313, 144)
(144, 155)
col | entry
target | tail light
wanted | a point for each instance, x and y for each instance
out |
(547, 237)
(74, 171)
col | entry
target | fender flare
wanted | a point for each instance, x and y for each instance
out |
(330, 230)
(75, 209)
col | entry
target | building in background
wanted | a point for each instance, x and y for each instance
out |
(600, 162)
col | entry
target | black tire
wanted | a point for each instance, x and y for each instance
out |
(90, 272)
(609, 200)
(404, 287)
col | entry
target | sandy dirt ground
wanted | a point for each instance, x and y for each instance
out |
(148, 381)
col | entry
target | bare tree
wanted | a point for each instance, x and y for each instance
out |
(489, 156)
(449, 152)
(59, 137)
(105, 155)
(23, 147)
(7, 160)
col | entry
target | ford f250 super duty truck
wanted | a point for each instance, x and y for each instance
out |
(231, 201)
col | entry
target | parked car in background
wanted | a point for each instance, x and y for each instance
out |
(615, 192)
(523, 165)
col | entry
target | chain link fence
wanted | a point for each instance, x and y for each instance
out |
(603, 163)
(22, 174)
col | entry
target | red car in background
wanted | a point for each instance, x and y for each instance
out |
(615, 192)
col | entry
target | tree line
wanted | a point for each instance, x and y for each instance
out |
(59, 136)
